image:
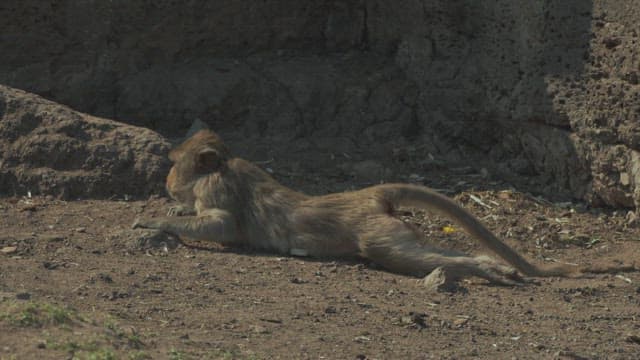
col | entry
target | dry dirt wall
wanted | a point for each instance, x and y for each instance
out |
(543, 93)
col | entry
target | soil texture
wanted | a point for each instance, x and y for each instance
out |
(76, 281)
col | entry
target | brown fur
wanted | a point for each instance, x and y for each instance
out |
(239, 204)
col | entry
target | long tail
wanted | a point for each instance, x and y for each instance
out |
(422, 197)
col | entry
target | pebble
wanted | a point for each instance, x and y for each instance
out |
(23, 296)
(9, 249)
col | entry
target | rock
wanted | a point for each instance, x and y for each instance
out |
(610, 42)
(460, 321)
(632, 218)
(9, 249)
(416, 320)
(259, 329)
(47, 148)
(438, 281)
(330, 310)
(50, 265)
(146, 239)
(105, 278)
(23, 296)
(362, 339)
(634, 339)
(624, 179)
(142, 240)
(53, 238)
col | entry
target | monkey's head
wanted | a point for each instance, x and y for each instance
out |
(202, 154)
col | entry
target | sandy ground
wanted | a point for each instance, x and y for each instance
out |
(75, 281)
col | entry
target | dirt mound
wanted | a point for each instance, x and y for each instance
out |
(47, 148)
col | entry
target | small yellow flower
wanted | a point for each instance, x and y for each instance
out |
(448, 229)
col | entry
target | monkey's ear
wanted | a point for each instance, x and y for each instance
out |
(174, 155)
(208, 160)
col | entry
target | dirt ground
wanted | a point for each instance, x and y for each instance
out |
(76, 282)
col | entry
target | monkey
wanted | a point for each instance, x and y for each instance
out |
(238, 204)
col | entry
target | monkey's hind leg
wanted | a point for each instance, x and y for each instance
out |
(210, 225)
(394, 245)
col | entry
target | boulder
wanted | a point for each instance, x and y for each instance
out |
(47, 148)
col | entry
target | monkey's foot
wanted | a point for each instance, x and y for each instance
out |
(497, 273)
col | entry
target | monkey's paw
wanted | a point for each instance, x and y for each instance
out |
(143, 224)
(181, 210)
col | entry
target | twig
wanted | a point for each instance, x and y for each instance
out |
(480, 202)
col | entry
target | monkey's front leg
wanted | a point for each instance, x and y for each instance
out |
(210, 225)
